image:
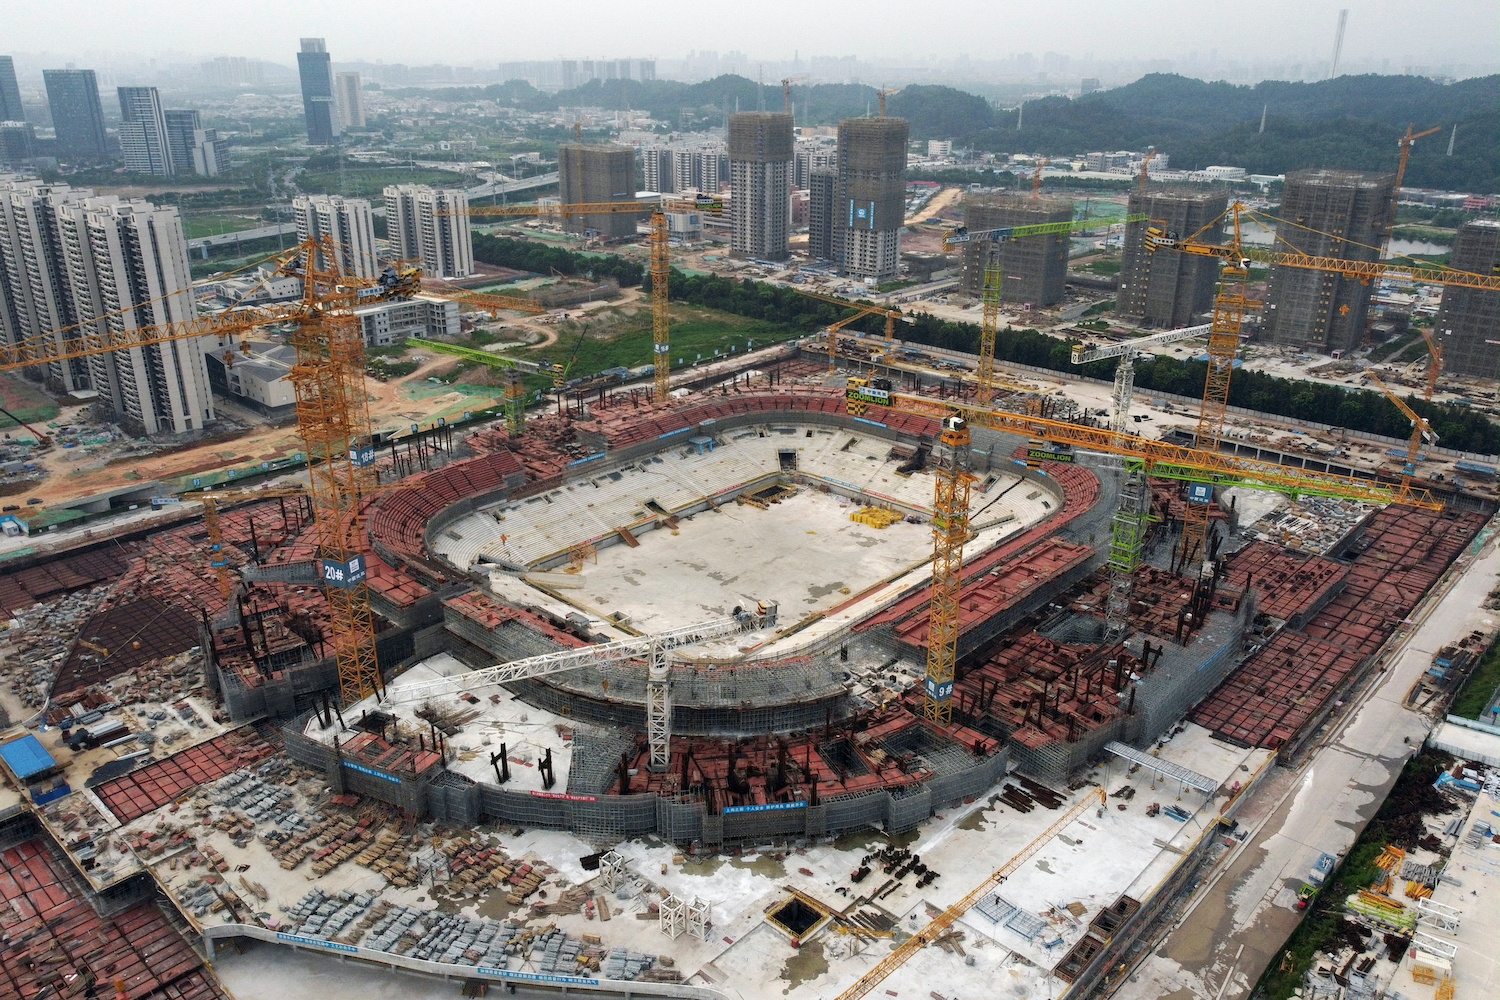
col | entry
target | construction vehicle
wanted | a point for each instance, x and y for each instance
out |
(1094, 797)
(653, 648)
(43, 442)
(1230, 306)
(1421, 430)
(661, 263)
(1202, 470)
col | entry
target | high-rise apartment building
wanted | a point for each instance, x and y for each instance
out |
(810, 156)
(351, 100)
(656, 169)
(127, 268)
(348, 222)
(593, 174)
(871, 198)
(430, 226)
(319, 110)
(821, 188)
(1033, 270)
(10, 92)
(195, 149)
(77, 115)
(73, 264)
(1468, 321)
(1326, 213)
(35, 301)
(143, 132)
(17, 144)
(1169, 289)
(760, 164)
(180, 128)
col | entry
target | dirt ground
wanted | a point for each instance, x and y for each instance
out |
(944, 199)
(391, 406)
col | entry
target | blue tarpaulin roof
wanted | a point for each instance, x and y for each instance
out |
(25, 757)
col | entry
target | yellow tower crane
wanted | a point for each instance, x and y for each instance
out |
(1229, 311)
(992, 283)
(213, 501)
(661, 260)
(1094, 797)
(786, 90)
(332, 414)
(1160, 459)
(1421, 430)
(861, 310)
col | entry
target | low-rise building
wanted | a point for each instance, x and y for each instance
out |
(255, 374)
(426, 316)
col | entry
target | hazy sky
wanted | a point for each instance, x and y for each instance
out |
(1461, 31)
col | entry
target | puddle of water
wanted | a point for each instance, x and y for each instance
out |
(973, 821)
(1043, 866)
(761, 864)
(807, 964)
(495, 906)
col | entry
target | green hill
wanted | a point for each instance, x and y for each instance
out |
(1352, 122)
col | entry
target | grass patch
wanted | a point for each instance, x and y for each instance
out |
(212, 224)
(1100, 308)
(1103, 268)
(364, 182)
(1479, 687)
(28, 404)
(1382, 351)
(622, 338)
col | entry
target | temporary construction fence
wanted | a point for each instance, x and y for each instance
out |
(604, 818)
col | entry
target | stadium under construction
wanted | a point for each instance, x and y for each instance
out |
(650, 634)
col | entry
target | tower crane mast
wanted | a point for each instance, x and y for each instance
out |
(660, 266)
(993, 277)
(1230, 306)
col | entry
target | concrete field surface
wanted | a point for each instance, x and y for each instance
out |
(1095, 858)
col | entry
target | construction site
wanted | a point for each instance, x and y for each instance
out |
(832, 668)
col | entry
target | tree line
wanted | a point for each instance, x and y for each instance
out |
(1464, 428)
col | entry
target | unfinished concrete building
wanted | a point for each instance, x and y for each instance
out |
(760, 163)
(1326, 213)
(1468, 321)
(870, 203)
(593, 174)
(822, 184)
(1169, 289)
(1034, 269)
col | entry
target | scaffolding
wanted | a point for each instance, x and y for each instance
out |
(1128, 536)
(672, 920)
(699, 922)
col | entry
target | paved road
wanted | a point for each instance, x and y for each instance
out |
(1240, 919)
(259, 233)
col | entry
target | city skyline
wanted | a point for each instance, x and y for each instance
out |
(1083, 33)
